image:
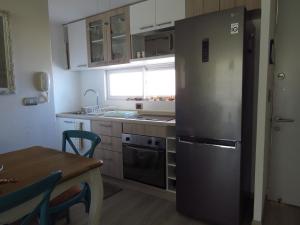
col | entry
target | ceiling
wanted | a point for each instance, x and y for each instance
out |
(64, 11)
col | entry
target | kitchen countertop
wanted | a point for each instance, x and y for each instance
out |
(117, 119)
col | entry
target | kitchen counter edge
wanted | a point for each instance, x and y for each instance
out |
(117, 119)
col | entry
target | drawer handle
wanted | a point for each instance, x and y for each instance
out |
(166, 23)
(84, 65)
(146, 27)
(70, 122)
(104, 125)
(107, 144)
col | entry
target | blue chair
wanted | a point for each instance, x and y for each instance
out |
(79, 193)
(44, 186)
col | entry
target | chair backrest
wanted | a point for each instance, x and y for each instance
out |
(94, 138)
(43, 187)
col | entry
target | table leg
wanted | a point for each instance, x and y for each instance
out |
(96, 187)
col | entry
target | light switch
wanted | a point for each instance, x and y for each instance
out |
(30, 101)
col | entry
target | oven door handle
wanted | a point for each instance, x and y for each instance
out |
(142, 149)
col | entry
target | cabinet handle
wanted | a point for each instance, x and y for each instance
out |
(69, 122)
(166, 23)
(107, 144)
(104, 125)
(83, 65)
(146, 27)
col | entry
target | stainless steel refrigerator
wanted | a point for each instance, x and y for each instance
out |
(214, 109)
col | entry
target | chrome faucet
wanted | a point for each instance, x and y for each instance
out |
(95, 92)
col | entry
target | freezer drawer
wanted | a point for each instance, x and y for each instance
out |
(208, 182)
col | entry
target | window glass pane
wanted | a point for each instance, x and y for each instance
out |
(127, 83)
(160, 82)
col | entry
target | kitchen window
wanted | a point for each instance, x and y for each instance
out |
(141, 83)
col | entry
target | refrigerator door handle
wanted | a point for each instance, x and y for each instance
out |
(185, 142)
(223, 146)
(192, 141)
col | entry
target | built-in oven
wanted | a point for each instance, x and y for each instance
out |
(144, 159)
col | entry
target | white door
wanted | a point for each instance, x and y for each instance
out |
(284, 183)
(168, 11)
(78, 45)
(74, 124)
(142, 17)
(65, 124)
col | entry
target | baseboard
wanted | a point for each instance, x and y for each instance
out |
(254, 222)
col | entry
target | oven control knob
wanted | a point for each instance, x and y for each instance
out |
(127, 138)
(157, 143)
(149, 142)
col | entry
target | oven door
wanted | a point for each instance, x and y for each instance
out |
(145, 165)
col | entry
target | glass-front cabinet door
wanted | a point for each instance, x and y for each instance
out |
(97, 40)
(119, 36)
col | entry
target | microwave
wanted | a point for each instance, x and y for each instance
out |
(153, 44)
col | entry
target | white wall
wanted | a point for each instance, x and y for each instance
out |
(27, 126)
(263, 109)
(66, 83)
(95, 79)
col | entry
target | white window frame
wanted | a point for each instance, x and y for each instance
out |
(108, 96)
(142, 69)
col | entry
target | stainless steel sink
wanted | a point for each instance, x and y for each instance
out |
(88, 114)
(155, 118)
(77, 113)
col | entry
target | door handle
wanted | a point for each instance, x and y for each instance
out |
(185, 142)
(83, 65)
(146, 27)
(165, 23)
(283, 120)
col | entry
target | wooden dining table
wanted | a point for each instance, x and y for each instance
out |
(29, 165)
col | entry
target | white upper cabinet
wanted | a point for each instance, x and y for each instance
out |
(77, 45)
(142, 17)
(168, 11)
(155, 14)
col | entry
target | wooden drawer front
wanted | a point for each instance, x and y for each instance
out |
(148, 130)
(112, 162)
(130, 128)
(107, 128)
(156, 131)
(111, 143)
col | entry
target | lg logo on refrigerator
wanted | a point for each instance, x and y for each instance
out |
(234, 28)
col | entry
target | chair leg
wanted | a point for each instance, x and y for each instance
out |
(68, 218)
(87, 201)
(52, 219)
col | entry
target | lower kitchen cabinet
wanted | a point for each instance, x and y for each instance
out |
(110, 148)
(111, 143)
(147, 130)
(107, 128)
(112, 162)
(64, 124)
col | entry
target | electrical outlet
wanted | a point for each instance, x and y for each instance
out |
(30, 101)
(139, 106)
